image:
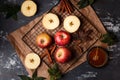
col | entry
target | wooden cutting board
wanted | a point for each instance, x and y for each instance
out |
(22, 49)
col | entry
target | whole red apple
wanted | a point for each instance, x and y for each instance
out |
(62, 38)
(62, 55)
(43, 40)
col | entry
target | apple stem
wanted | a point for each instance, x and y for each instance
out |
(61, 36)
(59, 54)
(42, 41)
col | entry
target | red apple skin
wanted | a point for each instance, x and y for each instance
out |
(62, 55)
(43, 40)
(62, 38)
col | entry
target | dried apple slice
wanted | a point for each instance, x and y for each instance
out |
(28, 8)
(32, 61)
(50, 21)
(71, 23)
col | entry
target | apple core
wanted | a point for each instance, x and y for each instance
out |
(32, 60)
(51, 21)
(28, 8)
(71, 24)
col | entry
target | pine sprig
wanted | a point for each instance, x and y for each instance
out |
(109, 38)
(84, 3)
(10, 10)
(54, 72)
(24, 77)
(34, 77)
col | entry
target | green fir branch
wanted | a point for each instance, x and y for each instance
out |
(10, 10)
(85, 3)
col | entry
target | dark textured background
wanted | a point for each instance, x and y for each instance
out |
(109, 13)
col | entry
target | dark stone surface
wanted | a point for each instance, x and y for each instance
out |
(109, 13)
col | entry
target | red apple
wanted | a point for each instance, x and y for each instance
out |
(43, 40)
(62, 38)
(62, 55)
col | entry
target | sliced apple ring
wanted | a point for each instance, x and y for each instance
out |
(32, 61)
(71, 23)
(50, 21)
(28, 8)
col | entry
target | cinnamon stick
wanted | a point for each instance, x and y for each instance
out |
(53, 49)
(43, 55)
(65, 6)
(49, 56)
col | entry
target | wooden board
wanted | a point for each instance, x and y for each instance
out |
(23, 49)
(81, 41)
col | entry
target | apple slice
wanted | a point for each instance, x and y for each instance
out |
(71, 23)
(50, 21)
(32, 61)
(28, 8)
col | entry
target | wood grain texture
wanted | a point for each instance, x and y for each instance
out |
(22, 49)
